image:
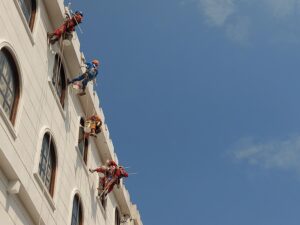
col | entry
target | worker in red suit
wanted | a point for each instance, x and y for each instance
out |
(118, 174)
(106, 170)
(112, 176)
(94, 122)
(67, 27)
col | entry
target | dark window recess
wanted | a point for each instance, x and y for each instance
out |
(29, 10)
(59, 79)
(47, 165)
(117, 217)
(77, 218)
(9, 84)
(83, 142)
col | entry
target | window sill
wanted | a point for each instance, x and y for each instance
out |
(57, 99)
(8, 124)
(44, 190)
(27, 28)
(82, 161)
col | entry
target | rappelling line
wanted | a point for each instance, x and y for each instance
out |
(84, 143)
(69, 8)
(79, 195)
(49, 149)
(114, 173)
(43, 97)
(79, 198)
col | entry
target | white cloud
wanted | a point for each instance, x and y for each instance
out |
(281, 8)
(217, 11)
(280, 154)
(239, 30)
(227, 15)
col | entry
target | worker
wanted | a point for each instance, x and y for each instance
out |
(118, 174)
(93, 126)
(111, 176)
(106, 172)
(89, 75)
(67, 27)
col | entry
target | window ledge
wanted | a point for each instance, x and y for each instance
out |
(45, 190)
(8, 124)
(57, 99)
(82, 161)
(27, 28)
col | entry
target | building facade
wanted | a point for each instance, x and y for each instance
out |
(44, 163)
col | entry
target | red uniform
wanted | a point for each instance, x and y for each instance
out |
(118, 174)
(107, 170)
(68, 25)
(112, 175)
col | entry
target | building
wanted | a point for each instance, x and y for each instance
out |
(44, 176)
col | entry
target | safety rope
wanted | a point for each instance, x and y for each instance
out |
(71, 12)
(48, 158)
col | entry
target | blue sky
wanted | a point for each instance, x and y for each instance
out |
(202, 100)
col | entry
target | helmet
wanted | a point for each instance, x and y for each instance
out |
(79, 12)
(96, 62)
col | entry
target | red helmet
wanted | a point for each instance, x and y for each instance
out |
(96, 62)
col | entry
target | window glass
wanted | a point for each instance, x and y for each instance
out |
(28, 8)
(8, 83)
(76, 212)
(47, 163)
(59, 79)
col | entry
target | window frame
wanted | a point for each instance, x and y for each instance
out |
(52, 155)
(80, 209)
(83, 152)
(13, 64)
(59, 71)
(33, 11)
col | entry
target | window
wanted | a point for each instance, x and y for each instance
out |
(117, 217)
(9, 84)
(76, 211)
(47, 165)
(83, 142)
(59, 79)
(28, 8)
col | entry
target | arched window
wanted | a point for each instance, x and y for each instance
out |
(9, 84)
(59, 79)
(29, 9)
(83, 142)
(77, 218)
(47, 165)
(117, 217)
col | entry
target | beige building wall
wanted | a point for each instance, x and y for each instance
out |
(40, 111)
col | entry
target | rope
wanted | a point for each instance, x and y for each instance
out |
(47, 159)
(69, 8)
